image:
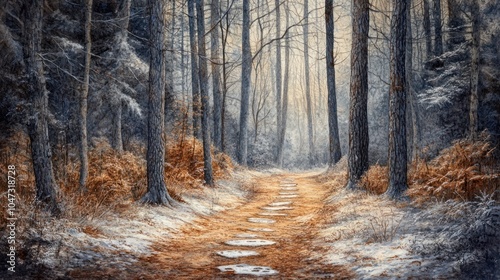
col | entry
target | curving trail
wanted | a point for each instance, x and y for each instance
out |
(283, 216)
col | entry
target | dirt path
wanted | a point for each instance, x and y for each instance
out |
(193, 254)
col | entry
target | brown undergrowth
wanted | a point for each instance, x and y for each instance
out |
(461, 172)
(115, 181)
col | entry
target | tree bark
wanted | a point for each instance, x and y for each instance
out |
(246, 72)
(284, 109)
(333, 128)
(157, 190)
(438, 36)
(224, 37)
(456, 25)
(46, 187)
(308, 83)
(216, 79)
(279, 146)
(427, 30)
(358, 120)
(475, 69)
(397, 103)
(84, 162)
(195, 83)
(117, 126)
(409, 81)
(203, 77)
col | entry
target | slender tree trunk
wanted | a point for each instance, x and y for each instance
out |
(224, 76)
(284, 110)
(203, 76)
(409, 81)
(170, 65)
(84, 162)
(456, 25)
(224, 92)
(157, 190)
(397, 103)
(438, 36)
(279, 146)
(308, 83)
(358, 120)
(246, 74)
(46, 187)
(183, 60)
(195, 83)
(427, 30)
(333, 127)
(125, 17)
(117, 139)
(475, 69)
(216, 79)
(117, 127)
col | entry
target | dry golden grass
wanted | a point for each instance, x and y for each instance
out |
(461, 172)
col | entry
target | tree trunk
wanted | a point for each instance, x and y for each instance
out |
(117, 139)
(46, 187)
(195, 83)
(438, 36)
(409, 80)
(84, 161)
(216, 79)
(475, 69)
(224, 37)
(397, 103)
(117, 126)
(246, 73)
(157, 190)
(284, 110)
(358, 120)
(308, 83)
(456, 25)
(333, 128)
(427, 30)
(203, 77)
(279, 146)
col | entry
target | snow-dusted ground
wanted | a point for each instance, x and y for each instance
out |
(119, 239)
(381, 239)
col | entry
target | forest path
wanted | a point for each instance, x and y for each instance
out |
(192, 254)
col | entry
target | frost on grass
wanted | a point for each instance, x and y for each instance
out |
(117, 238)
(381, 238)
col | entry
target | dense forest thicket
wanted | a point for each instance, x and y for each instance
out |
(104, 103)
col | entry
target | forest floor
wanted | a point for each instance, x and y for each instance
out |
(316, 230)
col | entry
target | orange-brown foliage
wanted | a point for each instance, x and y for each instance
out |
(459, 172)
(115, 179)
(376, 179)
(185, 162)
